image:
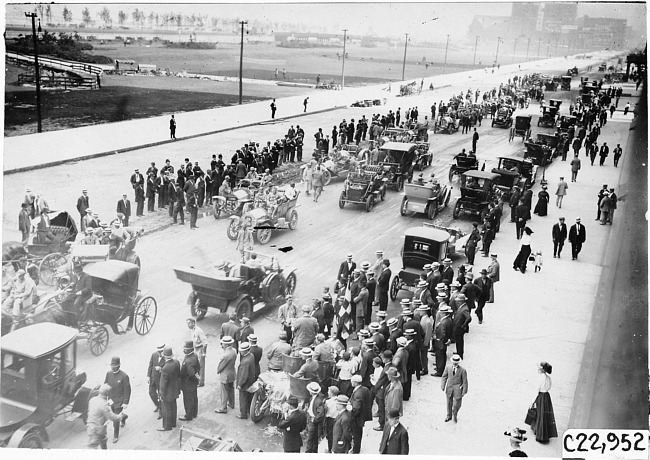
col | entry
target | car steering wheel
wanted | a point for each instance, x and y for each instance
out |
(53, 375)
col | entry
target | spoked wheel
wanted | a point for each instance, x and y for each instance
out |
(145, 315)
(98, 340)
(245, 309)
(232, 229)
(342, 200)
(456, 211)
(404, 207)
(257, 401)
(198, 312)
(263, 235)
(48, 267)
(370, 203)
(382, 194)
(327, 177)
(432, 210)
(293, 219)
(394, 288)
(452, 171)
(31, 441)
(217, 211)
(290, 285)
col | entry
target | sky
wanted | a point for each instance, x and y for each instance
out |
(394, 18)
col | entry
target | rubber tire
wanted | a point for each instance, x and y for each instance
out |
(290, 286)
(394, 288)
(293, 219)
(370, 203)
(98, 335)
(432, 210)
(263, 236)
(217, 212)
(31, 441)
(256, 400)
(232, 230)
(452, 170)
(456, 212)
(327, 177)
(245, 309)
(48, 267)
(342, 200)
(403, 207)
(399, 185)
(382, 193)
(200, 313)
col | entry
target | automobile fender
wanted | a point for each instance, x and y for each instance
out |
(461, 242)
(263, 223)
(235, 218)
(232, 305)
(218, 200)
(25, 430)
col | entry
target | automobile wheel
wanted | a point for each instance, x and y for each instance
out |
(342, 200)
(452, 171)
(448, 198)
(263, 235)
(456, 212)
(257, 401)
(232, 229)
(327, 177)
(493, 123)
(538, 122)
(394, 288)
(48, 267)
(198, 312)
(217, 211)
(293, 219)
(98, 341)
(31, 441)
(290, 284)
(432, 210)
(399, 184)
(245, 309)
(145, 315)
(370, 203)
(404, 207)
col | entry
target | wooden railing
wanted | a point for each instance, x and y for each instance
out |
(60, 81)
(55, 64)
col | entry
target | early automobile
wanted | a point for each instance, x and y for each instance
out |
(521, 127)
(39, 383)
(365, 186)
(463, 163)
(344, 158)
(266, 218)
(418, 136)
(503, 118)
(237, 202)
(427, 197)
(446, 125)
(572, 71)
(232, 287)
(477, 191)
(566, 83)
(548, 118)
(514, 171)
(565, 122)
(397, 164)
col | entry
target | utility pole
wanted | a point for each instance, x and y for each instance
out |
(406, 44)
(241, 60)
(444, 70)
(548, 46)
(514, 50)
(496, 58)
(539, 43)
(37, 71)
(527, 48)
(475, 46)
(556, 43)
(345, 35)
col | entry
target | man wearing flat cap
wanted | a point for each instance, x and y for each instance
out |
(156, 363)
(120, 393)
(99, 412)
(226, 371)
(245, 378)
(395, 439)
(292, 426)
(342, 430)
(169, 389)
(361, 411)
(315, 417)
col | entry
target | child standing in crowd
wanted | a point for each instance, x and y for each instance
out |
(538, 261)
(330, 415)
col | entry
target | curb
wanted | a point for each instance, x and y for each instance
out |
(166, 141)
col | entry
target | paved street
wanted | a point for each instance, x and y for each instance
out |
(535, 317)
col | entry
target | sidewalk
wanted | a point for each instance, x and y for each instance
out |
(33, 151)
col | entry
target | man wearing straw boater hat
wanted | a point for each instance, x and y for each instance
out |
(454, 384)
(226, 371)
(245, 378)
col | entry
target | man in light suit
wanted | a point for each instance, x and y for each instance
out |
(395, 440)
(226, 371)
(454, 384)
(577, 236)
(124, 209)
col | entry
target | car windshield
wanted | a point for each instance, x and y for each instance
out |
(18, 381)
(510, 165)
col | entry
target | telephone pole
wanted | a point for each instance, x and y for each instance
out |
(37, 71)
(475, 46)
(527, 48)
(496, 58)
(444, 70)
(514, 51)
(539, 43)
(406, 44)
(241, 60)
(345, 35)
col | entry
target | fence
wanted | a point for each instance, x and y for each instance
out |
(55, 64)
(60, 81)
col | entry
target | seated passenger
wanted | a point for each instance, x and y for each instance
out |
(291, 192)
(252, 174)
(420, 180)
(89, 238)
(21, 294)
(253, 262)
(309, 370)
(462, 154)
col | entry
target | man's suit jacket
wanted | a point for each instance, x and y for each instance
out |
(232, 330)
(383, 283)
(137, 179)
(361, 405)
(559, 232)
(170, 380)
(342, 433)
(455, 385)
(24, 222)
(345, 270)
(152, 374)
(494, 269)
(120, 387)
(400, 361)
(82, 205)
(257, 353)
(292, 426)
(246, 371)
(394, 397)
(366, 369)
(226, 367)
(190, 367)
(578, 234)
(397, 444)
(124, 208)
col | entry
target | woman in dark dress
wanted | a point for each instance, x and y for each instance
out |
(544, 425)
(541, 208)
(517, 436)
(524, 251)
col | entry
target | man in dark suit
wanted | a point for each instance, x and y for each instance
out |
(156, 363)
(124, 209)
(470, 290)
(137, 179)
(485, 286)
(461, 321)
(294, 424)
(342, 431)
(231, 330)
(454, 384)
(83, 203)
(315, 417)
(361, 411)
(367, 356)
(559, 236)
(189, 376)
(395, 439)
(257, 353)
(245, 378)
(383, 285)
(120, 393)
(577, 236)
(346, 268)
(442, 337)
(179, 203)
(226, 371)
(169, 389)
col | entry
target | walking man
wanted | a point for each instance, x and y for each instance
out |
(577, 236)
(120, 393)
(99, 412)
(474, 140)
(153, 377)
(454, 384)
(189, 377)
(559, 236)
(273, 109)
(618, 151)
(562, 187)
(172, 128)
(604, 152)
(226, 371)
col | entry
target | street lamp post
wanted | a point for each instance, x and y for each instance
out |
(496, 58)
(345, 35)
(444, 70)
(241, 61)
(37, 71)
(527, 48)
(514, 50)
(406, 43)
(475, 46)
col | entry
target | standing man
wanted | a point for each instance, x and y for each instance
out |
(442, 338)
(474, 140)
(292, 426)
(618, 151)
(613, 205)
(287, 314)
(124, 210)
(275, 352)
(305, 104)
(273, 108)
(193, 209)
(99, 412)
(120, 393)
(315, 417)
(169, 389)
(156, 363)
(361, 411)
(577, 236)
(200, 346)
(395, 439)
(472, 241)
(189, 377)
(172, 128)
(383, 285)
(82, 207)
(493, 273)
(461, 321)
(342, 430)
(559, 236)
(562, 187)
(485, 285)
(226, 371)
(454, 384)
(245, 378)
(304, 329)
(24, 223)
(230, 329)
(257, 353)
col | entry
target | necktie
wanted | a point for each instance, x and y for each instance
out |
(454, 373)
